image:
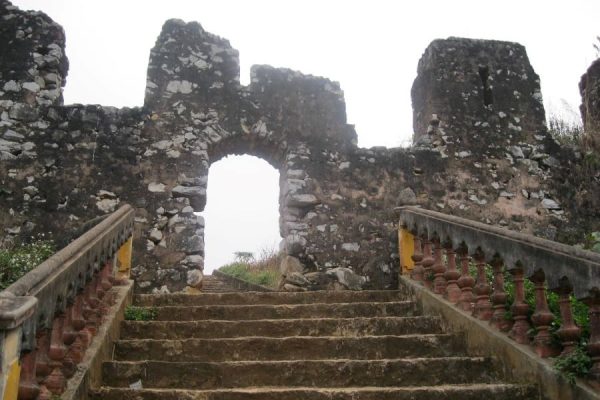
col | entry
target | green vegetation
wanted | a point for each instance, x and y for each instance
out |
(264, 271)
(17, 260)
(576, 364)
(593, 242)
(567, 133)
(134, 313)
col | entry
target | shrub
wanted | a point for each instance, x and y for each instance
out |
(575, 364)
(264, 271)
(20, 259)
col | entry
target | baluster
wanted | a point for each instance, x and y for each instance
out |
(45, 394)
(77, 319)
(103, 296)
(28, 387)
(42, 364)
(438, 269)
(69, 332)
(417, 257)
(521, 326)
(542, 317)
(81, 322)
(427, 263)
(569, 333)
(499, 297)
(465, 282)
(105, 275)
(483, 306)
(55, 382)
(69, 336)
(452, 290)
(593, 346)
(90, 310)
(76, 348)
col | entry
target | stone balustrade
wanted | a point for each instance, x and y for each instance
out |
(49, 317)
(431, 243)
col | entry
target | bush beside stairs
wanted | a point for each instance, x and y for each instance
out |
(369, 345)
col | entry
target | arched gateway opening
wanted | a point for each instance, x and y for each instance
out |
(242, 210)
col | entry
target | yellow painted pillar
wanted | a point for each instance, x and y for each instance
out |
(10, 366)
(124, 260)
(14, 311)
(406, 246)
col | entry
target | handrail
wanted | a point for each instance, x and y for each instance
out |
(431, 244)
(49, 316)
(531, 253)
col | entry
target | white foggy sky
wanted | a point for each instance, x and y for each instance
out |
(370, 47)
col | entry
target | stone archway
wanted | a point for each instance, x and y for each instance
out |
(242, 211)
(64, 165)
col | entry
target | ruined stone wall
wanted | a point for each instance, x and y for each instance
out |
(64, 165)
(589, 87)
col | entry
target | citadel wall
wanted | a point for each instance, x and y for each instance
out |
(481, 151)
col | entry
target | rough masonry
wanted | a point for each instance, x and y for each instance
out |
(481, 150)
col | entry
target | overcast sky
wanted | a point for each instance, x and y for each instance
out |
(370, 47)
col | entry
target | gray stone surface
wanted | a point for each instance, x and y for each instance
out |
(336, 200)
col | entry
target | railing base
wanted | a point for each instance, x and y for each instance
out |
(518, 362)
(89, 372)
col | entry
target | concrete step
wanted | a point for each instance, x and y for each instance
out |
(291, 348)
(445, 392)
(267, 298)
(322, 373)
(280, 327)
(286, 311)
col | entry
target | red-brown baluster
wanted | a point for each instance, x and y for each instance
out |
(438, 269)
(465, 282)
(417, 257)
(45, 394)
(99, 289)
(106, 273)
(483, 306)
(28, 387)
(569, 333)
(91, 297)
(499, 297)
(77, 320)
(69, 332)
(521, 326)
(542, 317)
(453, 292)
(55, 382)
(42, 363)
(90, 310)
(427, 263)
(593, 346)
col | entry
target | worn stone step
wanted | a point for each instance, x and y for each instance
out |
(213, 284)
(322, 373)
(267, 298)
(443, 392)
(291, 348)
(287, 311)
(280, 327)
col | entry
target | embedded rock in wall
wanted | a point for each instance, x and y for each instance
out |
(481, 151)
(589, 87)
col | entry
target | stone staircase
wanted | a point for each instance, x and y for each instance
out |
(212, 284)
(370, 345)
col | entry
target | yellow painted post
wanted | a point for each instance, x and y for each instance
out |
(124, 260)
(10, 367)
(406, 244)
